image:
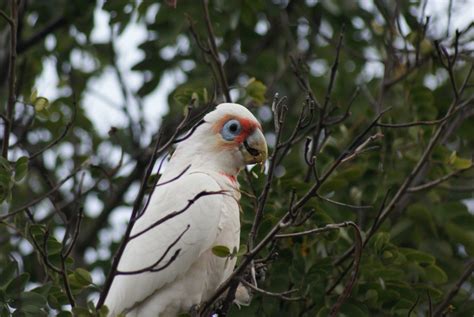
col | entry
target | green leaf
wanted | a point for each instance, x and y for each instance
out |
(103, 311)
(21, 168)
(462, 163)
(354, 309)
(34, 95)
(256, 90)
(29, 299)
(188, 94)
(221, 251)
(4, 163)
(43, 289)
(53, 246)
(417, 256)
(81, 312)
(435, 274)
(458, 162)
(83, 276)
(37, 230)
(323, 312)
(242, 250)
(41, 103)
(17, 285)
(381, 239)
(8, 273)
(64, 314)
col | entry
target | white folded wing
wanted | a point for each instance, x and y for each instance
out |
(198, 226)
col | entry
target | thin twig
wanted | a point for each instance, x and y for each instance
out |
(338, 203)
(173, 214)
(215, 52)
(435, 182)
(467, 273)
(153, 267)
(361, 147)
(281, 295)
(40, 198)
(13, 21)
(350, 284)
(60, 137)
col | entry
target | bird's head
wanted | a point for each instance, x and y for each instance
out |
(235, 128)
(229, 138)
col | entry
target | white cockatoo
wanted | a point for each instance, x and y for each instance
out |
(227, 139)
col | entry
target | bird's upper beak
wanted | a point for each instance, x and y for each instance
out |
(254, 148)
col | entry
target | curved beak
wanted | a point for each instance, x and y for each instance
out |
(254, 148)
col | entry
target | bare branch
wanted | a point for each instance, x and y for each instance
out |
(326, 228)
(282, 295)
(173, 214)
(467, 273)
(435, 182)
(7, 18)
(338, 203)
(13, 21)
(40, 198)
(361, 147)
(174, 178)
(153, 267)
(61, 136)
(215, 52)
(350, 284)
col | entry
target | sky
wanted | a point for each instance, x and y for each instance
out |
(103, 97)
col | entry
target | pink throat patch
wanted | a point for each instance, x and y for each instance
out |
(232, 178)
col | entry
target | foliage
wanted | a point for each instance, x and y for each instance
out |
(417, 243)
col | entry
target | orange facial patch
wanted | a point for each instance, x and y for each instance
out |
(248, 126)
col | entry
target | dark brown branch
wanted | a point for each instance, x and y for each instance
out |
(153, 267)
(402, 190)
(322, 113)
(338, 203)
(60, 137)
(350, 284)
(67, 286)
(282, 295)
(413, 306)
(462, 106)
(467, 273)
(7, 18)
(347, 112)
(40, 198)
(435, 182)
(173, 214)
(174, 178)
(13, 21)
(279, 113)
(286, 219)
(43, 253)
(77, 228)
(215, 52)
(58, 23)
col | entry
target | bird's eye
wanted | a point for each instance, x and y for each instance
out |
(231, 129)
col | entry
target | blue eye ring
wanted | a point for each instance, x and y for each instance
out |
(231, 129)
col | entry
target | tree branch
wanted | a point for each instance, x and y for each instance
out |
(13, 21)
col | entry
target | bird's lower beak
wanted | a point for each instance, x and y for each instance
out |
(254, 148)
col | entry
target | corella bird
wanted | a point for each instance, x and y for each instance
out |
(167, 269)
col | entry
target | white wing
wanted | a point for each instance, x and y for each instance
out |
(197, 226)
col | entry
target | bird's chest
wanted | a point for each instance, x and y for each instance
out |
(228, 233)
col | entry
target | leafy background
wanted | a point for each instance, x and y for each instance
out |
(80, 84)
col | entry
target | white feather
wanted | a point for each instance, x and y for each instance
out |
(213, 220)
